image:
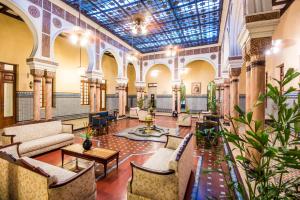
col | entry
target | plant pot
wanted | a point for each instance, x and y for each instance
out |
(87, 144)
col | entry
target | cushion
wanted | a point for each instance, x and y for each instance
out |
(159, 160)
(176, 153)
(44, 142)
(60, 174)
(30, 132)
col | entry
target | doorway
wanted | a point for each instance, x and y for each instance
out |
(7, 94)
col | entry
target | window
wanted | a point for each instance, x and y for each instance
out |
(84, 93)
(42, 93)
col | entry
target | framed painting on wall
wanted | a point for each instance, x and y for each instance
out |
(196, 88)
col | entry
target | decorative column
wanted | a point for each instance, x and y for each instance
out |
(37, 79)
(248, 82)
(122, 98)
(256, 38)
(226, 100)
(98, 95)
(49, 76)
(176, 96)
(234, 94)
(219, 98)
(257, 48)
(92, 84)
(140, 90)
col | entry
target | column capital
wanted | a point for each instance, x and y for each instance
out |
(94, 76)
(256, 47)
(226, 82)
(140, 84)
(42, 64)
(37, 73)
(49, 74)
(235, 72)
(259, 25)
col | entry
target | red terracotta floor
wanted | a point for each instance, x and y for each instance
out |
(114, 186)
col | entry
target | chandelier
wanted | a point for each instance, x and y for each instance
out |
(79, 36)
(139, 24)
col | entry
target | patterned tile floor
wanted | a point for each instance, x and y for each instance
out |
(114, 186)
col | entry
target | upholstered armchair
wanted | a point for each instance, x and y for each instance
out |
(25, 178)
(134, 112)
(184, 119)
(165, 175)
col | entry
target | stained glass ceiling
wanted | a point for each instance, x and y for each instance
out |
(186, 23)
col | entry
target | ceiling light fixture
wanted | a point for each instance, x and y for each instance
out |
(139, 24)
(79, 36)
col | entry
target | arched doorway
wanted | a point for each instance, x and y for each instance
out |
(159, 87)
(110, 75)
(131, 89)
(195, 77)
(70, 77)
(17, 44)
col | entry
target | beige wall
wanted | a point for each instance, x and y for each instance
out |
(16, 43)
(198, 71)
(67, 55)
(131, 80)
(110, 73)
(289, 31)
(68, 75)
(163, 79)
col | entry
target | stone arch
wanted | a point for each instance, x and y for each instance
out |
(158, 63)
(163, 79)
(89, 48)
(198, 70)
(201, 58)
(19, 7)
(116, 56)
(135, 65)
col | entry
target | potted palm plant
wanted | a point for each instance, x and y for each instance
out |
(267, 154)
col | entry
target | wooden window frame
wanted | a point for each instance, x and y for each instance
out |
(84, 93)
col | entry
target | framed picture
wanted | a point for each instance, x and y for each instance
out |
(196, 88)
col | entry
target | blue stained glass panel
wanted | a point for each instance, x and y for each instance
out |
(185, 23)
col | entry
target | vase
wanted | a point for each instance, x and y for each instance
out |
(87, 144)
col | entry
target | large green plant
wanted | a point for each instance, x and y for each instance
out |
(211, 97)
(268, 153)
(140, 103)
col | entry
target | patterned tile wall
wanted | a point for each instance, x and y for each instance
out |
(112, 101)
(132, 101)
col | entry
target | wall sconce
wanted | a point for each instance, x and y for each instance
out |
(275, 48)
(30, 84)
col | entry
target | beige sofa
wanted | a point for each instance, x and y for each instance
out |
(134, 112)
(184, 119)
(39, 137)
(23, 178)
(165, 175)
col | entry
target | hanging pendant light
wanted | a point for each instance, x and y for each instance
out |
(79, 36)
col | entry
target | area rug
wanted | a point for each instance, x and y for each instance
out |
(130, 134)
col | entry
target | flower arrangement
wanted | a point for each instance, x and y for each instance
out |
(88, 132)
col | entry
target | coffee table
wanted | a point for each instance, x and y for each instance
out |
(99, 155)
